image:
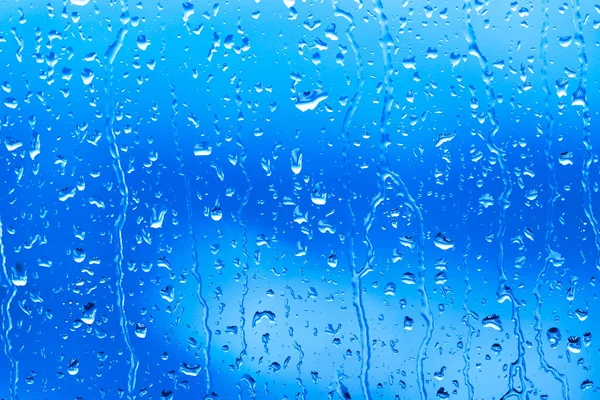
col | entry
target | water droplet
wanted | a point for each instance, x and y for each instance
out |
(409, 323)
(492, 321)
(332, 260)
(574, 344)
(143, 42)
(579, 98)
(407, 241)
(12, 144)
(141, 331)
(202, 149)
(587, 384)
(318, 195)
(158, 217)
(11, 103)
(296, 161)
(582, 315)
(190, 370)
(78, 255)
(496, 348)
(553, 334)
(442, 394)
(87, 76)
(73, 368)
(565, 41)
(442, 242)
(89, 314)
(260, 315)
(409, 278)
(19, 276)
(390, 289)
(309, 100)
(216, 214)
(168, 294)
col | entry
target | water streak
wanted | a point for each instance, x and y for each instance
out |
(192, 235)
(356, 276)
(580, 99)
(550, 161)
(422, 288)
(467, 320)
(246, 265)
(111, 137)
(118, 227)
(384, 173)
(299, 369)
(504, 292)
(7, 323)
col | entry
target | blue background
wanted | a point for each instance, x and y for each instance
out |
(159, 239)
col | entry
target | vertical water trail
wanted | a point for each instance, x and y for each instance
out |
(250, 382)
(421, 289)
(246, 265)
(384, 173)
(299, 368)
(356, 277)
(7, 323)
(580, 99)
(466, 320)
(192, 235)
(118, 226)
(376, 201)
(518, 367)
(504, 292)
(110, 55)
(487, 77)
(550, 161)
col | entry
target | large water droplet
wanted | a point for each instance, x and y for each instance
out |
(309, 100)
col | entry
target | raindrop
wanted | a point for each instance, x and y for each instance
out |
(492, 321)
(309, 100)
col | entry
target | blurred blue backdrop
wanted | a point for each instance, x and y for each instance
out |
(299, 199)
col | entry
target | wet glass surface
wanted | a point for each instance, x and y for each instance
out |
(298, 199)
